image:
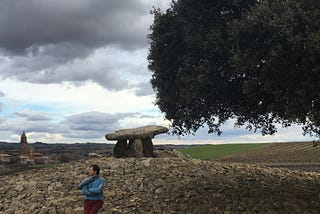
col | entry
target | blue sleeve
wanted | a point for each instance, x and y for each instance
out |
(94, 190)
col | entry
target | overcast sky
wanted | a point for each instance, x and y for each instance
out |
(72, 71)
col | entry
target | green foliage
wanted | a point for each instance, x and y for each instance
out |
(255, 61)
(276, 54)
(208, 152)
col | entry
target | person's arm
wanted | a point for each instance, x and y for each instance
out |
(85, 182)
(95, 190)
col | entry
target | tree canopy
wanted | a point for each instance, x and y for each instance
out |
(257, 62)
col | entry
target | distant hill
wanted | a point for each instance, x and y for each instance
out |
(40, 145)
(5, 145)
(8, 146)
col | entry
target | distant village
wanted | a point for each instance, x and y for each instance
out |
(22, 153)
(25, 155)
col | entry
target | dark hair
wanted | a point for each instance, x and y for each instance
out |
(95, 168)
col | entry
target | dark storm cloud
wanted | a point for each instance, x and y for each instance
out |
(45, 68)
(26, 26)
(75, 41)
(44, 41)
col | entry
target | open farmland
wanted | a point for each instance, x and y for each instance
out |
(208, 152)
(295, 155)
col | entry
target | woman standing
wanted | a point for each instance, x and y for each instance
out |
(92, 188)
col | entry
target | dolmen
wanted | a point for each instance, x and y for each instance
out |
(135, 142)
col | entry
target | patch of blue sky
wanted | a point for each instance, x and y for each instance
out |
(40, 108)
(154, 110)
(51, 111)
(9, 107)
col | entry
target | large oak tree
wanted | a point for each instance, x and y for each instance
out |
(255, 61)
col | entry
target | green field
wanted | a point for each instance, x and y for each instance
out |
(207, 152)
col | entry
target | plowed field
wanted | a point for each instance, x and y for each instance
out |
(296, 155)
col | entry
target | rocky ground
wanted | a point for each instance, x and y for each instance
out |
(164, 185)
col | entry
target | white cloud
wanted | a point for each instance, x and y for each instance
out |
(71, 99)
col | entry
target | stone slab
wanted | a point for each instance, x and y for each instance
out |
(137, 133)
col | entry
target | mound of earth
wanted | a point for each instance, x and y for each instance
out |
(164, 185)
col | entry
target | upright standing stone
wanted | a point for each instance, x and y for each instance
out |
(147, 146)
(135, 148)
(120, 149)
